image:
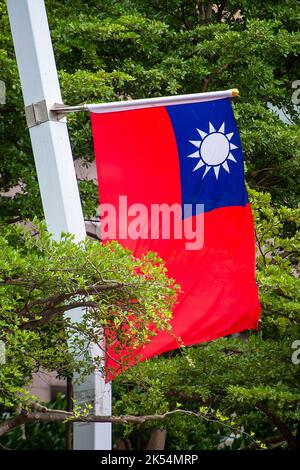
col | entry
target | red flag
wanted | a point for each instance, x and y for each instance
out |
(184, 160)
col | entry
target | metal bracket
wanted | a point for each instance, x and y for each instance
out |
(37, 113)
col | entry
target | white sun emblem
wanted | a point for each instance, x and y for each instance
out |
(214, 149)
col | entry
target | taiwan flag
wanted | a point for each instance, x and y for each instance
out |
(188, 157)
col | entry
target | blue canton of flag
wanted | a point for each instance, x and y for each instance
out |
(210, 155)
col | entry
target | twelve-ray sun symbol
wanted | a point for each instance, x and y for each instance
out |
(214, 149)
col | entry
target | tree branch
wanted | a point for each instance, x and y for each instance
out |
(269, 441)
(221, 10)
(46, 415)
(206, 80)
(281, 426)
(58, 298)
(184, 20)
(49, 314)
(53, 305)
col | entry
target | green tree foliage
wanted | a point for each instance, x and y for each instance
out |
(112, 50)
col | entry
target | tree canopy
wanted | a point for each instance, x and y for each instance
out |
(122, 49)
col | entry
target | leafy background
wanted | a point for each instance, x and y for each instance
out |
(111, 50)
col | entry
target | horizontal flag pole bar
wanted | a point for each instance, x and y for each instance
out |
(62, 110)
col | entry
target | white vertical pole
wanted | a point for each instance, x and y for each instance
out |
(56, 174)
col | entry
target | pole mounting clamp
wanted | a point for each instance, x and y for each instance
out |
(38, 113)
